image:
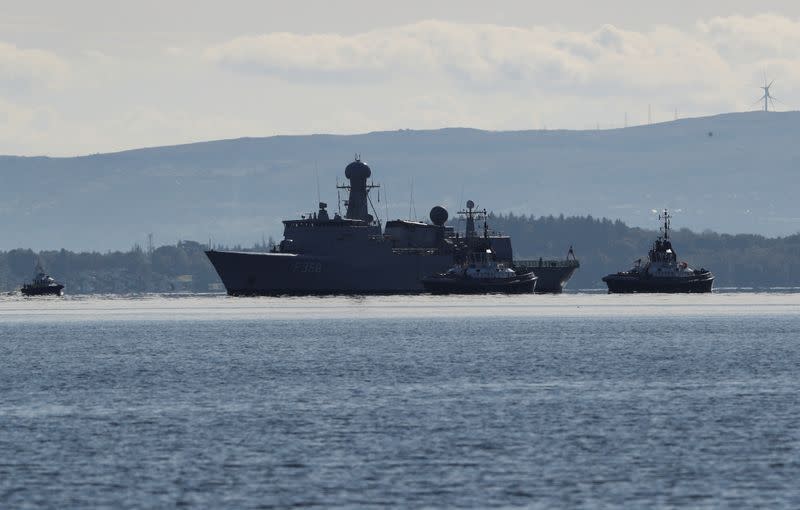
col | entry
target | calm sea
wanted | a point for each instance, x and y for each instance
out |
(535, 401)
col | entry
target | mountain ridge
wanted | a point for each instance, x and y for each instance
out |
(729, 173)
(243, 139)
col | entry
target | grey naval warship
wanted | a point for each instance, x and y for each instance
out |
(354, 253)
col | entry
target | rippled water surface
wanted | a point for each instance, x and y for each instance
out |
(532, 401)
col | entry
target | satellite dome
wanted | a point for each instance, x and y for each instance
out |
(470, 204)
(439, 215)
(357, 170)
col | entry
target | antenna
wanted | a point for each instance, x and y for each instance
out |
(316, 174)
(411, 206)
(666, 217)
(338, 198)
(377, 216)
(386, 201)
(460, 201)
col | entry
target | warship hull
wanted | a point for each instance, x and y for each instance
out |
(626, 284)
(274, 274)
(552, 275)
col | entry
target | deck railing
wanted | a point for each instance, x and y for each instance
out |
(547, 263)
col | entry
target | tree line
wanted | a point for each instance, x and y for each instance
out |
(173, 268)
(603, 246)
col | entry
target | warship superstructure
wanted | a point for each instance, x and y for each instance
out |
(662, 272)
(353, 253)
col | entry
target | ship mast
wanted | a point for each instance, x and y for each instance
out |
(358, 200)
(471, 213)
(665, 228)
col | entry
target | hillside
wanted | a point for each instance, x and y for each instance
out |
(729, 173)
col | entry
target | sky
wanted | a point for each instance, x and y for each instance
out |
(90, 76)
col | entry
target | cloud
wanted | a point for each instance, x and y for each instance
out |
(476, 53)
(607, 61)
(23, 69)
(175, 51)
(760, 47)
(427, 74)
(25, 126)
(480, 53)
(95, 54)
(761, 36)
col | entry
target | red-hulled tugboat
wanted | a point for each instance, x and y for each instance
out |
(42, 285)
(662, 272)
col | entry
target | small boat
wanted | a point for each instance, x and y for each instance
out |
(662, 272)
(481, 274)
(42, 285)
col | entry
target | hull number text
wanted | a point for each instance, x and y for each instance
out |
(306, 267)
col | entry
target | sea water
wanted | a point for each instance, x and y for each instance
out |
(526, 401)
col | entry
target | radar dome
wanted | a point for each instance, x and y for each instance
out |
(357, 170)
(439, 215)
(470, 204)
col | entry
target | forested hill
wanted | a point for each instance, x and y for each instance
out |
(730, 173)
(602, 246)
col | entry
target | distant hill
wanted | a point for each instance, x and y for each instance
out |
(730, 173)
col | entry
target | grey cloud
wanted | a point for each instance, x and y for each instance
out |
(481, 56)
(23, 69)
(761, 36)
(491, 56)
(422, 75)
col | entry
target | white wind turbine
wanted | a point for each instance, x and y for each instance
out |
(768, 98)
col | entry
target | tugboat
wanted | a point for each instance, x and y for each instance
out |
(662, 272)
(481, 274)
(42, 285)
